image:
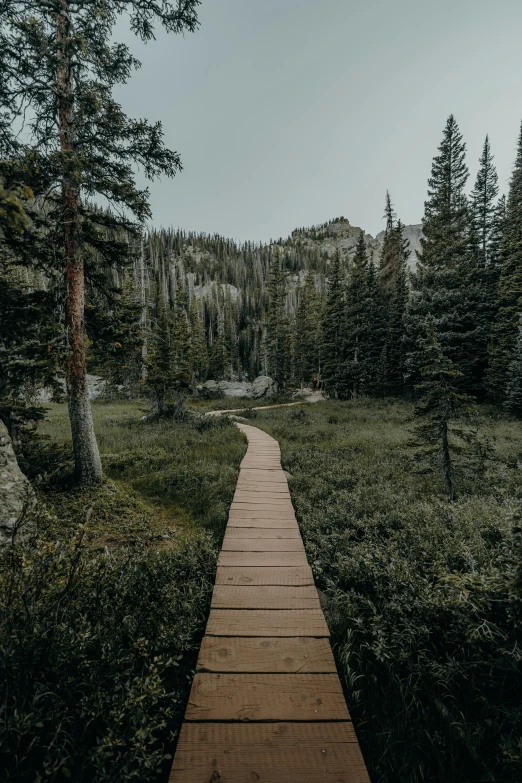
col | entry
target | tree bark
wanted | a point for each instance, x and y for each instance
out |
(86, 454)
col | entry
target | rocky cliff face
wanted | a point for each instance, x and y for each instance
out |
(340, 235)
(16, 495)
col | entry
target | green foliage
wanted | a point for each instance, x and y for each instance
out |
(307, 337)
(443, 285)
(509, 300)
(438, 403)
(334, 330)
(278, 329)
(95, 650)
(422, 596)
(513, 397)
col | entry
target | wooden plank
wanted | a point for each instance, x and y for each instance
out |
(261, 513)
(279, 508)
(263, 532)
(303, 654)
(254, 523)
(253, 559)
(248, 575)
(265, 501)
(269, 753)
(261, 497)
(266, 622)
(264, 597)
(232, 544)
(260, 697)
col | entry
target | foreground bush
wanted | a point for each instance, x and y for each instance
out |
(95, 657)
(424, 596)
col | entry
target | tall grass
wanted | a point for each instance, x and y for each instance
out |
(423, 599)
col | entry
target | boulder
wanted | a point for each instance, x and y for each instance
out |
(263, 386)
(235, 388)
(16, 495)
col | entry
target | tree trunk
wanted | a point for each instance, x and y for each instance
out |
(86, 454)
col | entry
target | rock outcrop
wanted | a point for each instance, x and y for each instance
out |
(17, 499)
(263, 386)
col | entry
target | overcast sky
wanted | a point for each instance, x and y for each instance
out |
(291, 112)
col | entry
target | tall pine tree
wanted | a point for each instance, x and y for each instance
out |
(307, 343)
(443, 284)
(334, 330)
(278, 330)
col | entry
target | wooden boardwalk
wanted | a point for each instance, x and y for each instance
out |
(266, 702)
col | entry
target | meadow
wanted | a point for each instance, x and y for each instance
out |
(102, 616)
(422, 596)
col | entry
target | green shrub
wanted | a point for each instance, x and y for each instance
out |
(423, 596)
(96, 652)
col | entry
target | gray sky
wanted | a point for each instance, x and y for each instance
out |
(288, 113)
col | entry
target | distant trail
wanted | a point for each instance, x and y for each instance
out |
(266, 702)
(316, 396)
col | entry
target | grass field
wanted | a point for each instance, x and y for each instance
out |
(163, 477)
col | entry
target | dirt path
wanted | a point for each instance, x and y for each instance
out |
(266, 702)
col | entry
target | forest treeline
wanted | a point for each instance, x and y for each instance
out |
(159, 312)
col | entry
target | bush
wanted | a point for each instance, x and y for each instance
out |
(424, 596)
(96, 652)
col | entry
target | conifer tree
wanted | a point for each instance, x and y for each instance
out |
(395, 349)
(117, 337)
(198, 357)
(390, 253)
(278, 330)
(334, 331)
(504, 330)
(443, 284)
(484, 277)
(161, 366)
(513, 395)
(375, 349)
(439, 401)
(358, 342)
(220, 352)
(59, 67)
(307, 344)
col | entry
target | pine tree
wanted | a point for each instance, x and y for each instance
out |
(307, 355)
(483, 198)
(117, 338)
(443, 284)
(198, 359)
(334, 331)
(484, 275)
(160, 357)
(358, 367)
(504, 330)
(390, 253)
(395, 349)
(59, 67)
(439, 400)
(278, 331)
(513, 396)
(220, 352)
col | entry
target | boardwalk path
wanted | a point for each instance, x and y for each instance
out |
(266, 702)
